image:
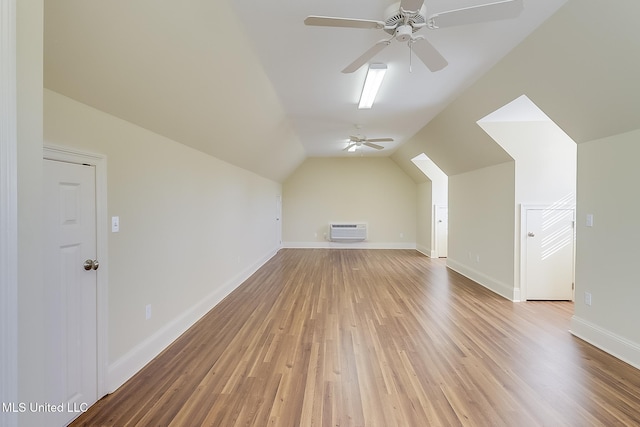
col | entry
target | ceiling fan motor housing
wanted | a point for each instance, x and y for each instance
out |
(396, 19)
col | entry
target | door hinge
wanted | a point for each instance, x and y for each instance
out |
(573, 286)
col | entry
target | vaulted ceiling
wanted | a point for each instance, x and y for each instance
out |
(249, 83)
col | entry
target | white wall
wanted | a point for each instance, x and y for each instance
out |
(607, 253)
(192, 228)
(363, 189)
(482, 226)
(545, 159)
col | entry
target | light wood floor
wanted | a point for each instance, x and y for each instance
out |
(375, 338)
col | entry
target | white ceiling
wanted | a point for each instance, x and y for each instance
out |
(304, 65)
(249, 83)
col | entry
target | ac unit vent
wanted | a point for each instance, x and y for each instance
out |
(348, 232)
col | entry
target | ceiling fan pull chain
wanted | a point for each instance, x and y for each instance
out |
(410, 43)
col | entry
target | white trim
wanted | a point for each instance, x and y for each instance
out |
(426, 251)
(521, 290)
(133, 361)
(8, 212)
(434, 231)
(349, 245)
(53, 152)
(279, 219)
(615, 345)
(482, 279)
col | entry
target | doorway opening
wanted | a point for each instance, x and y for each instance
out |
(433, 210)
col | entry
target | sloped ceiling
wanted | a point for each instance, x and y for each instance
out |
(249, 83)
(580, 67)
(180, 69)
(218, 76)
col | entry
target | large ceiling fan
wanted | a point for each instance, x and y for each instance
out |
(358, 141)
(403, 19)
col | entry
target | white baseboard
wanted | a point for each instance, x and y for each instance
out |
(349, 245)
(128, 365)
(517, 295)
(426, 251)
(482, 279)
(615, 345)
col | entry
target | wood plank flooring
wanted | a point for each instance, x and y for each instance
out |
(322, 337)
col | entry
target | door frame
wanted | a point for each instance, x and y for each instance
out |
(99, 161)
(436, 235)
(8, 210)
(279, 220)
(524, 208)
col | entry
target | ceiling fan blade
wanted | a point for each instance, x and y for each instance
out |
(379, 139)
(376, 146)
(505, 9)
(411, 5)
(349, 146)
(428, 54)
(328, 21)
(365, 57)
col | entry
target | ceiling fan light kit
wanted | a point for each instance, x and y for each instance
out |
(375, 75)
(358, 141)
(401, 21)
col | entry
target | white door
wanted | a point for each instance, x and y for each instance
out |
(70, 287)
(279, 219)
(549, 254)
(442, 230)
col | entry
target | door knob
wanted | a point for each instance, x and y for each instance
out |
(530, 234)
(91, 264)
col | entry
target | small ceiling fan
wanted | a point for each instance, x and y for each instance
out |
(358, 141)
(403, 19)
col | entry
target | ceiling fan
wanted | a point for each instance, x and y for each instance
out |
(358, 141)
(403, 19)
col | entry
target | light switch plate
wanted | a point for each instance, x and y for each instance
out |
(115, 224)
(589, 221)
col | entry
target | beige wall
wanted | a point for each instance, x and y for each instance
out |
(371, 190)
(191, 227)
(606, 253)
(482, 226)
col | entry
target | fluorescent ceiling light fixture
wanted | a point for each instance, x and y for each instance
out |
(372, 83)
(353, 148)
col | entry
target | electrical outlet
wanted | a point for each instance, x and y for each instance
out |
(147, 310)
(587, 298)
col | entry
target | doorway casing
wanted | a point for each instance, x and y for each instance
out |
(520, 293)
(99, 161)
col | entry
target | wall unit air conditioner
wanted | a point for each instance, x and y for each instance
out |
(347, 232)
